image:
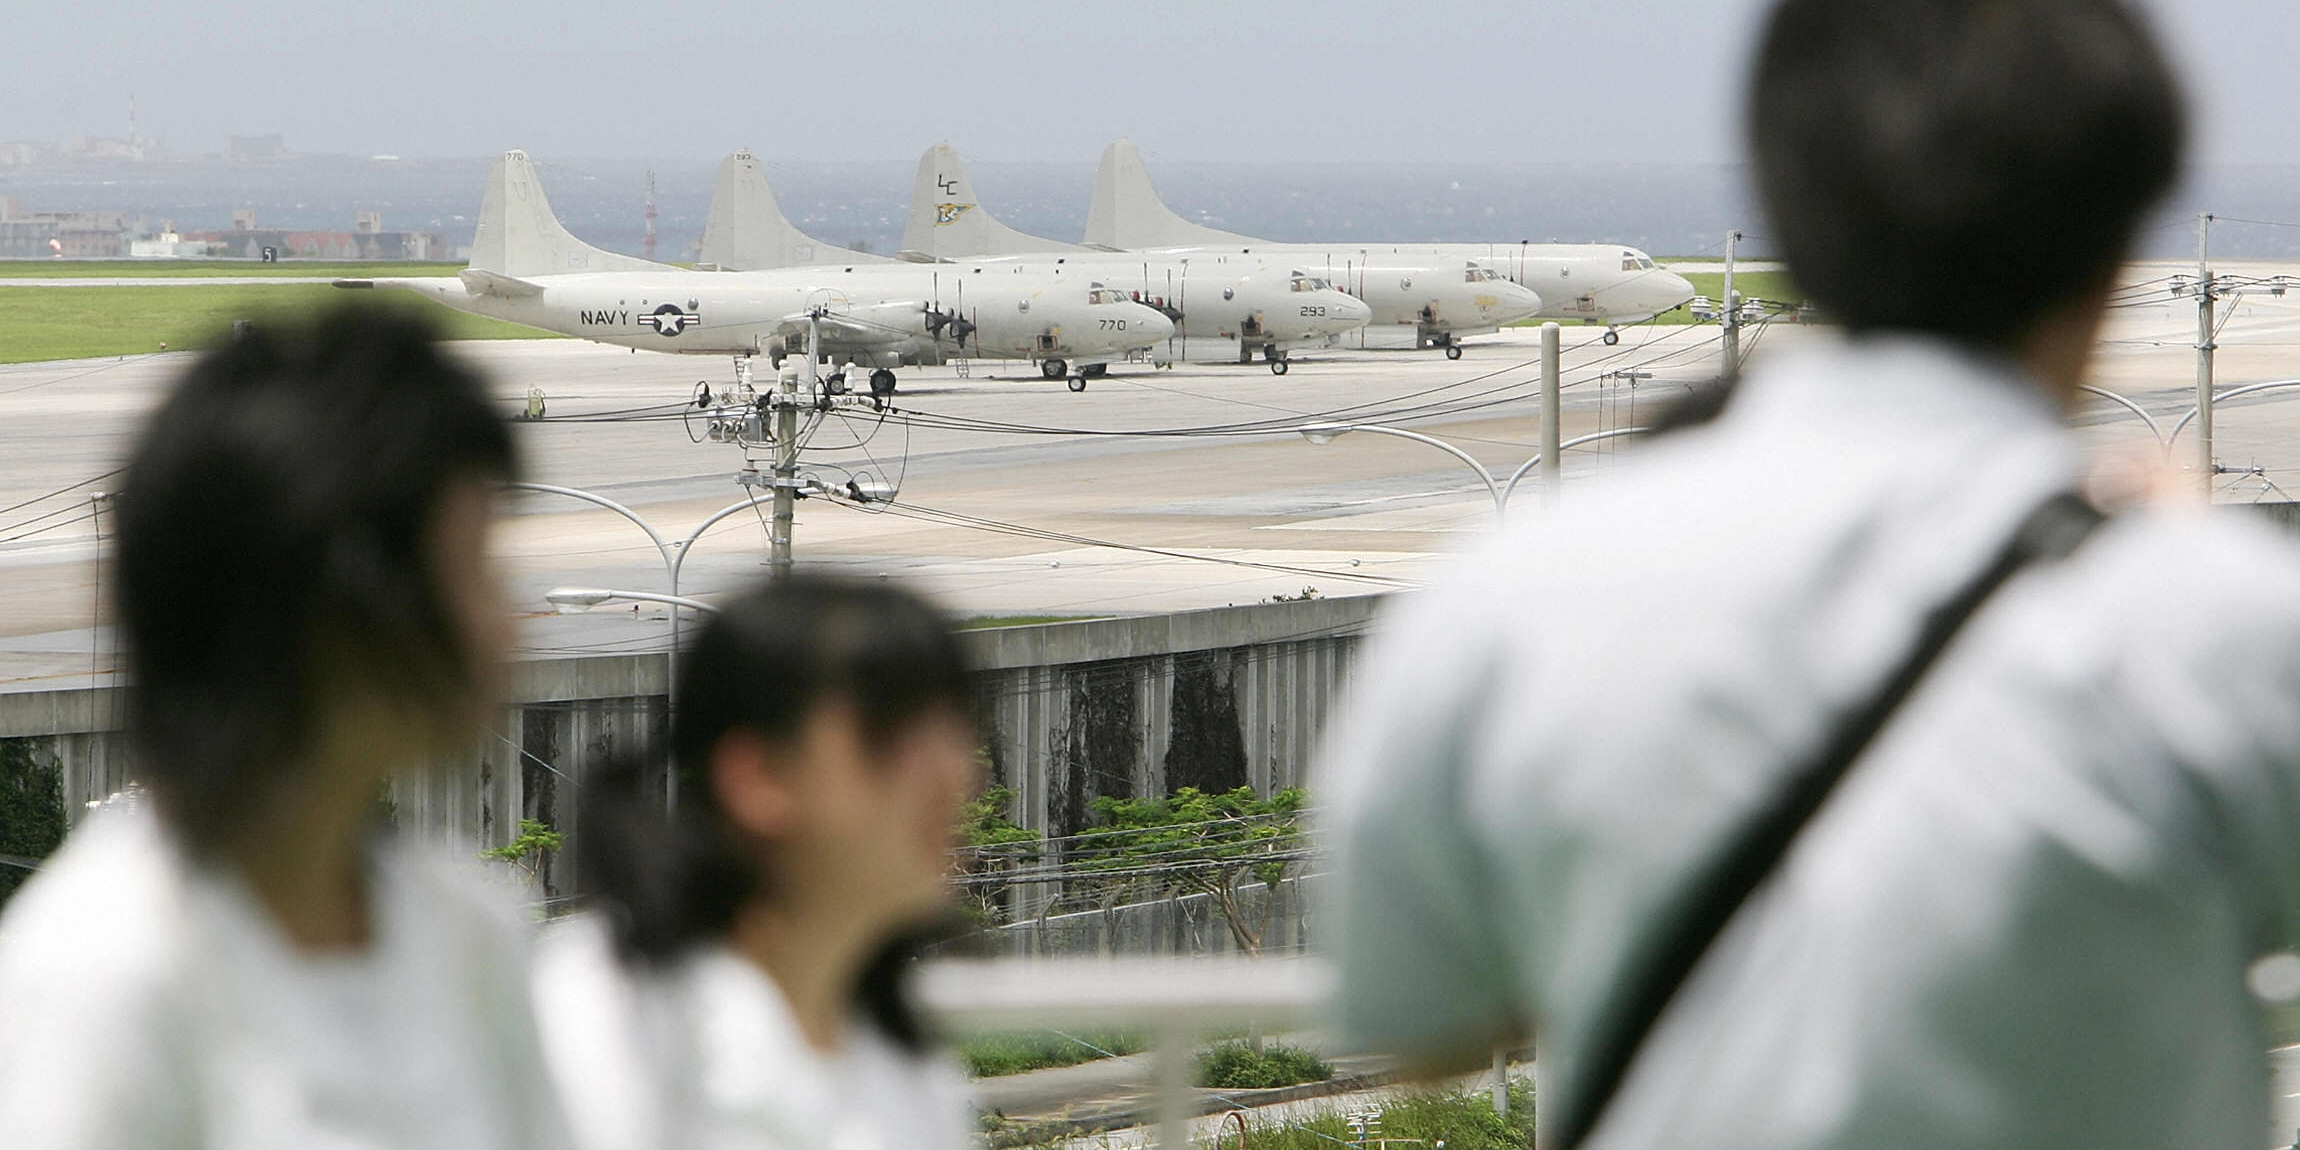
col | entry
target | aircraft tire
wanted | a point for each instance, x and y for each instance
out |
(1053, 368)
(1078, 383)
(1453, 351)
(882, 383)
(1612, 337)
(1278, 366)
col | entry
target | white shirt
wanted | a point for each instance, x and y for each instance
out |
(705, 1055)
(2025, 917)
(146, 1001)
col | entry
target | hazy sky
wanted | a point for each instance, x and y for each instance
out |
(1222, 80)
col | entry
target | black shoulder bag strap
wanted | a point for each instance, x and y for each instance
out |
(2053, 531)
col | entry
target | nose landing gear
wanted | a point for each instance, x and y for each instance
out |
(881, 383)
(1053, 368)
(1612, 336)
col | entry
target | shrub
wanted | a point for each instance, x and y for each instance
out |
(994, 1055)
(1235, 1066)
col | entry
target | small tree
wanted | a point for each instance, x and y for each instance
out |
(990, 841)
(1207, 843)
(536, 839)
(31, 812)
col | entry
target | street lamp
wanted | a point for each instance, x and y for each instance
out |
(1500, 490)
(1324, 433)
(1517, 476)
(574, 600)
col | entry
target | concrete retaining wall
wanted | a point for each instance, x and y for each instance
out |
(1125, 706)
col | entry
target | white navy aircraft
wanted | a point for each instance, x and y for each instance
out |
(1604, 283)
(1223, 307)
(526, 268)
(1419, 301)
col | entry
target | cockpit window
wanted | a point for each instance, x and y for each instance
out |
(1312, 283)
(1476, 274)
(1635, 262)
(1106, 295)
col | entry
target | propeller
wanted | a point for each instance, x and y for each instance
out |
(1158, 304)
(958, 327)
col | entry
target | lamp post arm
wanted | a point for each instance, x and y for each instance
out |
(2128, 405)
(679, 559)
(1526, 468)
(661, 545)
(2232, 393)
(1484, 476)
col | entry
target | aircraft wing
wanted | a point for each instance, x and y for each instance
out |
(880, 323)
(479, 282)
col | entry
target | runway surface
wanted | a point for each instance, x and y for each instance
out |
(1153, 490)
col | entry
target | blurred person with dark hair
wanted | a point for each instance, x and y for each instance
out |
(739, 982)
(240, 958)
(1830, 776)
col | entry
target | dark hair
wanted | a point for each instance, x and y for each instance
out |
(1959, 167)
(274, 536)
(763, 663)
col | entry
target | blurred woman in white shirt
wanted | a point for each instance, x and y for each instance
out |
(739, 984)
(237, 957)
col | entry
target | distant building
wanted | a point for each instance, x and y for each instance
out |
(73, 235)
(168, 244)
(113, 148)
(366, 241)
(254, 149)
(14, 152)
(26, 239)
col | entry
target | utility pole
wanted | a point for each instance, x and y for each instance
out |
(1732, 316)
(2204, 349)
(787, 449)
(1552, 413)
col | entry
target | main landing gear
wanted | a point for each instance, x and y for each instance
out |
(1087, 371)
(1053, 368)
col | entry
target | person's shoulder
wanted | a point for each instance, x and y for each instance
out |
(105, 911)
(458, 895)
(97, 973)
(576, 962)
(2233, 558)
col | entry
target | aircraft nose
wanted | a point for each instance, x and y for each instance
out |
(1352, 310)
(1518, 301)
(1679, 288)
(1154, 322)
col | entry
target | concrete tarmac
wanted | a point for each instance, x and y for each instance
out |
(1153, 490)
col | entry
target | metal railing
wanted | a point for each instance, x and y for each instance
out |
(1173, 999)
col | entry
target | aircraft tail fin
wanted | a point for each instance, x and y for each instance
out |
(747, 231)
(1127, 214)
(519, 236)
(947, 221)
